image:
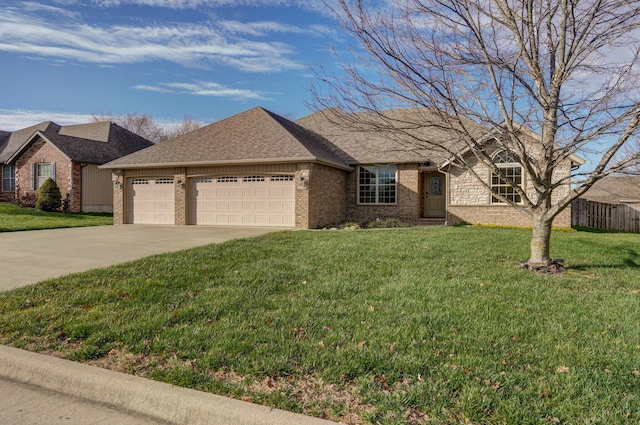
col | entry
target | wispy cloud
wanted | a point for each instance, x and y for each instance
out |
(265, 28)
(312, 5)
(15, 119)
(203, 88)
(184, 44)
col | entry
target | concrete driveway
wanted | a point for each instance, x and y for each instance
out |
(32, 256)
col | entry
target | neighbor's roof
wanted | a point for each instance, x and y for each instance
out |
(14, 140)
(94, 143)
(615, 190)
(253, 136)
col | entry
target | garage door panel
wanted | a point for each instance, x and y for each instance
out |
(151, 201)
(247, 201)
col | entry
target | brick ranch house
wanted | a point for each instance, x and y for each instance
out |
(70, 155)
(260, 169)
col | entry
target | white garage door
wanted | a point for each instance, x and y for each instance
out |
(243, 201)
(151, 201)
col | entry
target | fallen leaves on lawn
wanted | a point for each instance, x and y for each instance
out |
(317, 397)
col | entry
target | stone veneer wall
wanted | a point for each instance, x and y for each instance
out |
(469, 201)
(407, 204)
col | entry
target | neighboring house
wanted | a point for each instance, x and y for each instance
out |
(623, 189)
(260, 169)
(70, 155)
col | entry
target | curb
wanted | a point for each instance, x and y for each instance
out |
(154, 399)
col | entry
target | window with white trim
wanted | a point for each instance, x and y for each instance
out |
(8, 178)
(43, 171)
(509, 163)
(377, 184)
(249, 179)
(227, 179)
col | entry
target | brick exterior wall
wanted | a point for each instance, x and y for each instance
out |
(407, 204)
(119, 211)
(67, 174)
(327, 199)
(499, 214)
(75, 200)
(181, 204)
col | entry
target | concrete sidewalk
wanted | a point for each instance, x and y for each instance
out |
(38, 389)
(33, 256)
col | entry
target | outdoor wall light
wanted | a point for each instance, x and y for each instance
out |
(117, 182)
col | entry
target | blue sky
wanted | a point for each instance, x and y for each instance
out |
(64, 60)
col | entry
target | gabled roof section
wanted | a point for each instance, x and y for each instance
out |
(356, 136)
(253, 136)
(94, 143)
(18, 138)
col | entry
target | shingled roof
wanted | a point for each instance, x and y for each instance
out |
(356, 135)
(16, 139)
(615, 190)
(94, 143)
(253, 136)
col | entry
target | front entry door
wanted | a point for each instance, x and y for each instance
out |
(434, 193)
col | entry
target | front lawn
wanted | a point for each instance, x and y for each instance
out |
(14, 218)
(401, 326)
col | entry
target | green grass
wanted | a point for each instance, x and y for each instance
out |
(420, 325)
(14, 218)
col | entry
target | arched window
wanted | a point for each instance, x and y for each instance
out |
(509, 164)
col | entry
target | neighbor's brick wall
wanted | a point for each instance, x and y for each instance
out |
(407, 204)
(39, 152)
(327, 199)
(75, 200)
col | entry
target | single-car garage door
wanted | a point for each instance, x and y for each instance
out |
(151, 201)
(243, 200)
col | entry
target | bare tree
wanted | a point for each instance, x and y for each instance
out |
(148, 127)
(548, 79)
(186, 126)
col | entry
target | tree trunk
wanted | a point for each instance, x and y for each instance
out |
(540, 242)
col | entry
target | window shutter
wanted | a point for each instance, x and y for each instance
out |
(32, 180)
(53, 171)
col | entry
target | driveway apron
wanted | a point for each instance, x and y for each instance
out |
(32, 256)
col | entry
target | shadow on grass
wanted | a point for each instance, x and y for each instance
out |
(631, 261)
(594, 230)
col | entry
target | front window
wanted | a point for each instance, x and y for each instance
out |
(377, 184)
(44, 170)
(509, 165)
(8, 178)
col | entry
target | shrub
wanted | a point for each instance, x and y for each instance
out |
(49, 197)
(28, 200)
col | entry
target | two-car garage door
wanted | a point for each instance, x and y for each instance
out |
(254, 200)
(243, 200)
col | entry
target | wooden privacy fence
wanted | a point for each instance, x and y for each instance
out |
(605, 216)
